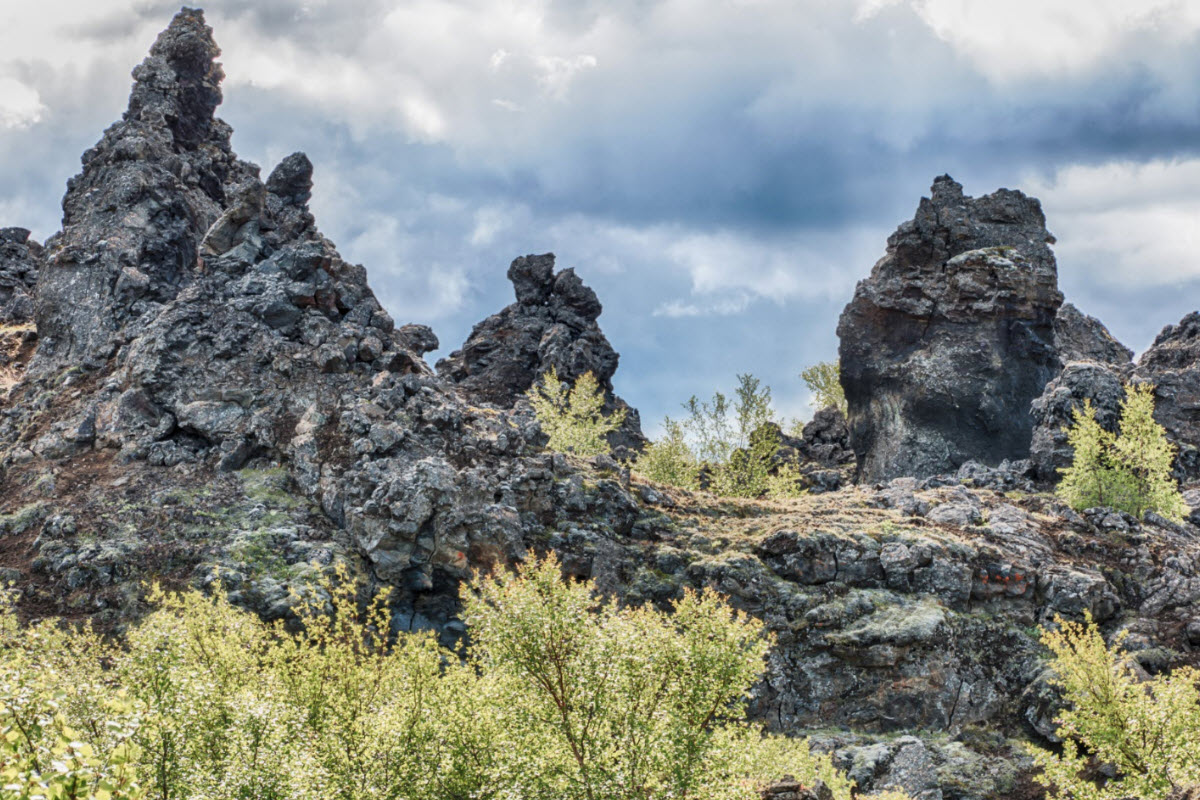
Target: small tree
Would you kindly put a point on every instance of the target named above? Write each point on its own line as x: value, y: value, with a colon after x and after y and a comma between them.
x: 1130, y: 470
x: 747, y: 473
x: 1145, y: 730
x: 1143, y: 451
x: 824, y: 381
x: 669, y: 460
x: 573, y: 417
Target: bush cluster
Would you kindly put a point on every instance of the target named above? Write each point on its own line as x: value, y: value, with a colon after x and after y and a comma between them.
x: 1145, y: 730
x: 727, y: 447
x: 1129, y: 470
x: 560, y: 696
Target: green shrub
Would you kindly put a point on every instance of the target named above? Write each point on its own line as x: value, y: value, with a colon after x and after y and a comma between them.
x: 670, y: 459
x: 747, y: 471
x: 824, y: 381
x: 737, y: 442
x: 1129, y: 470
x: 573, y: 417
x: 617, y: 702
x: 561, y: 695
x: 1146, y: 730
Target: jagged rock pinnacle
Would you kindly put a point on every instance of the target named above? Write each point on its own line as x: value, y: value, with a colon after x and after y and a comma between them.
x: 179, y: 83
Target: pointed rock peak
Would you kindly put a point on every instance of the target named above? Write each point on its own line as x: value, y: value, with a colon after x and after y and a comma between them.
x: 532, y: 278
x: 291, y: 181
x: 179, y: 83
x: 946, y: 190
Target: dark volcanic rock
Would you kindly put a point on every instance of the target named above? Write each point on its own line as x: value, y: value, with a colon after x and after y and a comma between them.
x: 132, y: 220
x: 1101, y: 384
x: 551, y: 326
x: 1079, y: 337
x: 952, y: 336
x: 18, y: 275
x: 1172, y: 364
x: 200, y: 336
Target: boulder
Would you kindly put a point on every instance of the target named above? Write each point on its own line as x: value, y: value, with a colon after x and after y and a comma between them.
x: 945, y: 345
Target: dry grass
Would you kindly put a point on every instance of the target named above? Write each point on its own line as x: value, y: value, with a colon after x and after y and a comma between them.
x: 8, y: 378
x: 14, y: 346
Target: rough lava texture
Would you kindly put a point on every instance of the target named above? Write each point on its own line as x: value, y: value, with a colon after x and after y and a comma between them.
x: 1079, y: 337
x: 552, y: 325
x: 19, y: 257
x: 1172, y: 364
x: 952, y: 336
x: 208, y: 357
x: 216, y: 386
x: 1101, y: 384
x: 821, y: 453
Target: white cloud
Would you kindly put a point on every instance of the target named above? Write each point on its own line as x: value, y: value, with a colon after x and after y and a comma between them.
x: 721, y: 307
x: 20, y: 104
x: 1123, y: 223
x: 557, y: 72
x: 1023, y: 38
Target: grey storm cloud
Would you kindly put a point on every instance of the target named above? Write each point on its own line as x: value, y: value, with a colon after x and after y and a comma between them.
x: 721, y: 172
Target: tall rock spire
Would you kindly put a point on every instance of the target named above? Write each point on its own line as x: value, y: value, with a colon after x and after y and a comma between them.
x: 179, y: 83
x: 149, y: 191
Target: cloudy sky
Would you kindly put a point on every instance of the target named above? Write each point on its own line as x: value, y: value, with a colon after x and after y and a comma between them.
x: 722, y: 172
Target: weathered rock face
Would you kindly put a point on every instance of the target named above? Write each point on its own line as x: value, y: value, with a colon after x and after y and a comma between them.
x: 1172, y: 364
x: 952, y: 336
x: 551, y: 326
x: 18, y: 274
x: 1079, y: 337
x: 1053, y: 413
x: 821, y: 453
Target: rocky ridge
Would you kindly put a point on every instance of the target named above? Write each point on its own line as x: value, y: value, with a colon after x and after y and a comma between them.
x: 215, y: 386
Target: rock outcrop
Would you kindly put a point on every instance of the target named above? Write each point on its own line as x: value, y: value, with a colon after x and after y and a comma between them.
x: 1079, y: 337
x: 952, y: 336
x: 821, y: 453
x: 1172, y: 364
x: 202, y: 344
x: 1053, y: 413
x: 19, y: 257
x: 552, y: 325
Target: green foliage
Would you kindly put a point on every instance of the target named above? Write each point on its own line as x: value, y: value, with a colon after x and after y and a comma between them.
x: 710, y: 429
x: 670, y: 460
x: 737, y: 441
x: 1130, y: 470
x: 1146, y: 730
x: 562, y: 696
x: 824, y: 381
x: 747, y: 472
x: 573, y: 417
x: 617, y: 702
